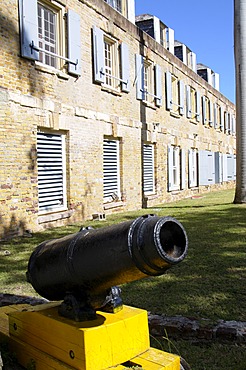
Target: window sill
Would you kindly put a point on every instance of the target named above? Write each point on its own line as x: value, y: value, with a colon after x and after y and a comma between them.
x: 113, y: 205
x: 111, y: 90
x: 193, y: 121
x: 150, y: 196
x: 149, y: 105
x: 54, y: 216
x: 174, y: 114
x: 51, y: 70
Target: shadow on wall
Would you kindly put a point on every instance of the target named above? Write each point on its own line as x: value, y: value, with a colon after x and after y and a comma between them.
x: 18, y: 71
x: 18, y: 76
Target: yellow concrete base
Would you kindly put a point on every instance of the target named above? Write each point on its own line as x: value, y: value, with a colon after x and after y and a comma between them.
x: 116, y: 341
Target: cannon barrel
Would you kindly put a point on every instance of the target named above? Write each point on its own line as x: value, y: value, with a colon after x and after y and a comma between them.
x: 93, y: 260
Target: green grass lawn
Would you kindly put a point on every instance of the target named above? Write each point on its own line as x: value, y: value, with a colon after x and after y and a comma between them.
x: 209, y: 283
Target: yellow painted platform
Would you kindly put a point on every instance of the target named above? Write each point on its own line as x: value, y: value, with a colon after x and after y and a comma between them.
x: 116, y: 341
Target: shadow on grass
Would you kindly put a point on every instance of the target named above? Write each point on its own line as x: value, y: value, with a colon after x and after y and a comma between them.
x: 211, y: 281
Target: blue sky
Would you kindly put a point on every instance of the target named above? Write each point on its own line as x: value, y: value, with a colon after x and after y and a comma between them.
x: 206, y: 27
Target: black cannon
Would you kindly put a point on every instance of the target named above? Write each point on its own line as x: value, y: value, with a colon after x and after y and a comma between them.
x: 84, y: 269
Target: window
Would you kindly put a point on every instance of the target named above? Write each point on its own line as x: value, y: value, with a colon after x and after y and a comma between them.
x: 43, y: 36
x: 51, y: 172
x: 116, y: 4
x: 207, y: 111
x: 206, y: 167
x: 111, y: 61
x: 111, y: 171
x: 47, y: 35
x: 193, y: 103
x: 148, y: 81
x: 192, y: 168
x: 148, y: 169
x: 176, y: 168
x: 174, y: 94
x: 217, y: 116
x: 226, y: 120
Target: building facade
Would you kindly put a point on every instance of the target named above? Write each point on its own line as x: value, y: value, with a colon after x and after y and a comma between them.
x: 98, y: 116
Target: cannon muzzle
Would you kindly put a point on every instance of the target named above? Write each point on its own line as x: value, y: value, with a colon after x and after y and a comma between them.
x: 87, y: 264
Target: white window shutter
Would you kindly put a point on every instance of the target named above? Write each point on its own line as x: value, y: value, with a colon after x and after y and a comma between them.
x: 215, y: 115
x: 125, y: 68
x: 111, y: 170
x: 190, y: 168
x: 222, y: 120
x: 170, y: 168
x: 235, y: 166
x: 226, y: 122
x: 218, y: 168
x: 98, y: 55
x: 168, y: 90
x: 51, y: 172
x: 210, y: 113
x: 224, y: 167
x: 206, y: 167
x: 188, y: 102
x: 204, y: 110
x: 181, y: 97
x: 139, y: 77
x: 158, y: 85
x: 183, y: 169
x: 74, y: 41
x: 28, y: 13
x: 198, y: 106
x: 230, y: 167
x: 148, y: 169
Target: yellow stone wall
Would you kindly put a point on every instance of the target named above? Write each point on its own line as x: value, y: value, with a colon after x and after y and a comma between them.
x: 33, y: 96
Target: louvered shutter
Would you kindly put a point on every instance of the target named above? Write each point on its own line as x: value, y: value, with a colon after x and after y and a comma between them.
x: 28, y: 15
x: 51, y: 172
x: 148, y: 168
x: 111, y: 178
x: 98, y: 55
x: 158, y: 85
x: 125, y: 67
x: 168, y: 90
x: 74, y: 41
x: 139, y: 77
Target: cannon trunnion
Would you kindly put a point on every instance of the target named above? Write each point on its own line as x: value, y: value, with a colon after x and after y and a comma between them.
x: 84, y: 269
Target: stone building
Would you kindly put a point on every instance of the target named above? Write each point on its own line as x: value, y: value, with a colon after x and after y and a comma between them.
x: 98, y: 116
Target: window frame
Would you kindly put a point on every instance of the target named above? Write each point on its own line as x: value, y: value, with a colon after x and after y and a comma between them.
x: 193, y: 103
x: 174, y: 94
x: 111, y: 170
x: 56, y: 162
x: 148, y: 169
x: 69, y: 42
x: 59, y: 31
x: 120, y: 62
